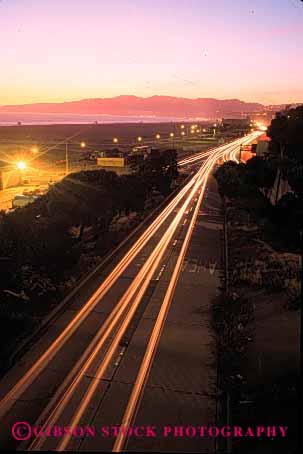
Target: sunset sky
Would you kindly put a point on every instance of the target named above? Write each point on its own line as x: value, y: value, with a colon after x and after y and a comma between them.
x: 57, y: 50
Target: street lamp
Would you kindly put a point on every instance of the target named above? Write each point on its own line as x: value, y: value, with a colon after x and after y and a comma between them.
x: 139, y: 139
x: 158, y: 136
x: 172, y: 135
x: 182, y: 133
x: 66, y: 159
x: 182, y: 126
x: 82, y: 144
x: 115, y: 140
x: 21, y: 165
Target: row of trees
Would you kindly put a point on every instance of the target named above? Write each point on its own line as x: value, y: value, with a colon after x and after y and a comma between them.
x: 286, y: 146
x: 285, y: 160
x: 44, y: 239
x: 236, y: 180
x: 93, y: 198
x: 40, y: 236
x: 286, y: 133
x: 158, y: 169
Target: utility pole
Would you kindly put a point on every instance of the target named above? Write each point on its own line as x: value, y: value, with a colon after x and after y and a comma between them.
x: 225, y: 239
x: 66, y: 159
x: 300, y: 391
x: 282, y: 147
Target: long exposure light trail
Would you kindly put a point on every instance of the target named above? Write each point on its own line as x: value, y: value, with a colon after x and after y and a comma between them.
x: 150, y: 266
x: 139, y: 285
x: 47, y: 356
x: 119, y: 318
x: 235, y: 145
x: 150, y: 352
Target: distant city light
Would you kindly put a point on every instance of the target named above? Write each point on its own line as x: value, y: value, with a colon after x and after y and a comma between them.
x: 261, y: 126
x: 182, y: 133
x: 21, y: 165
x: 35, y: 150
x: 171, y: 134
x: 158, y: 136
x: 139, y: 139
x: 182, y: 126
x: 82, y: 144
x: 115, y: 140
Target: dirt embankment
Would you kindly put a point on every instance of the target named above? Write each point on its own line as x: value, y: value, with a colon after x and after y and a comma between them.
x: 258, y: 326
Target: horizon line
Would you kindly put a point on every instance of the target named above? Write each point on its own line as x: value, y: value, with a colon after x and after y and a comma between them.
x: 145, y: 98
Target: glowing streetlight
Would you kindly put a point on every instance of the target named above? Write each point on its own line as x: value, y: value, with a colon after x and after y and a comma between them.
x: 182, y: 133
x: 204, y: 130
x: 182, y: 126
x: 171, y: 134
x: 192, y: 131
x: 158, y: 136
x: 35, y: 150
x: 82, y: 144
x: 21, y: 165
x: 115, y: 140
x: 139, y: 139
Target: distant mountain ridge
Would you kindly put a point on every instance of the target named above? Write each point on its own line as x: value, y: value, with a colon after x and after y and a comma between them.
x: 134, y: 105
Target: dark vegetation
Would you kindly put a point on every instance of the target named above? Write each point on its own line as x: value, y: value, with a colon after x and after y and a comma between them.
x: 257, y: 318
x: 48, y: 245
x: 284, y: 162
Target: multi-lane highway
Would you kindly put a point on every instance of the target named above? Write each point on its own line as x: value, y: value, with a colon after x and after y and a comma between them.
x: 133, y: 347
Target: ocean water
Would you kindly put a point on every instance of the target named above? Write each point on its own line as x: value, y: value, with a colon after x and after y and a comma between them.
x: 14, y: 118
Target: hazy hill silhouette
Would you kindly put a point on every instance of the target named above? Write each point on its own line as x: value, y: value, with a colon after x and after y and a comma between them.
x: 134, y: 105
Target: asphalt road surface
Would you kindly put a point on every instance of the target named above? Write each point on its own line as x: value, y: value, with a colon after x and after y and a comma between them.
x: 135, y: 347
